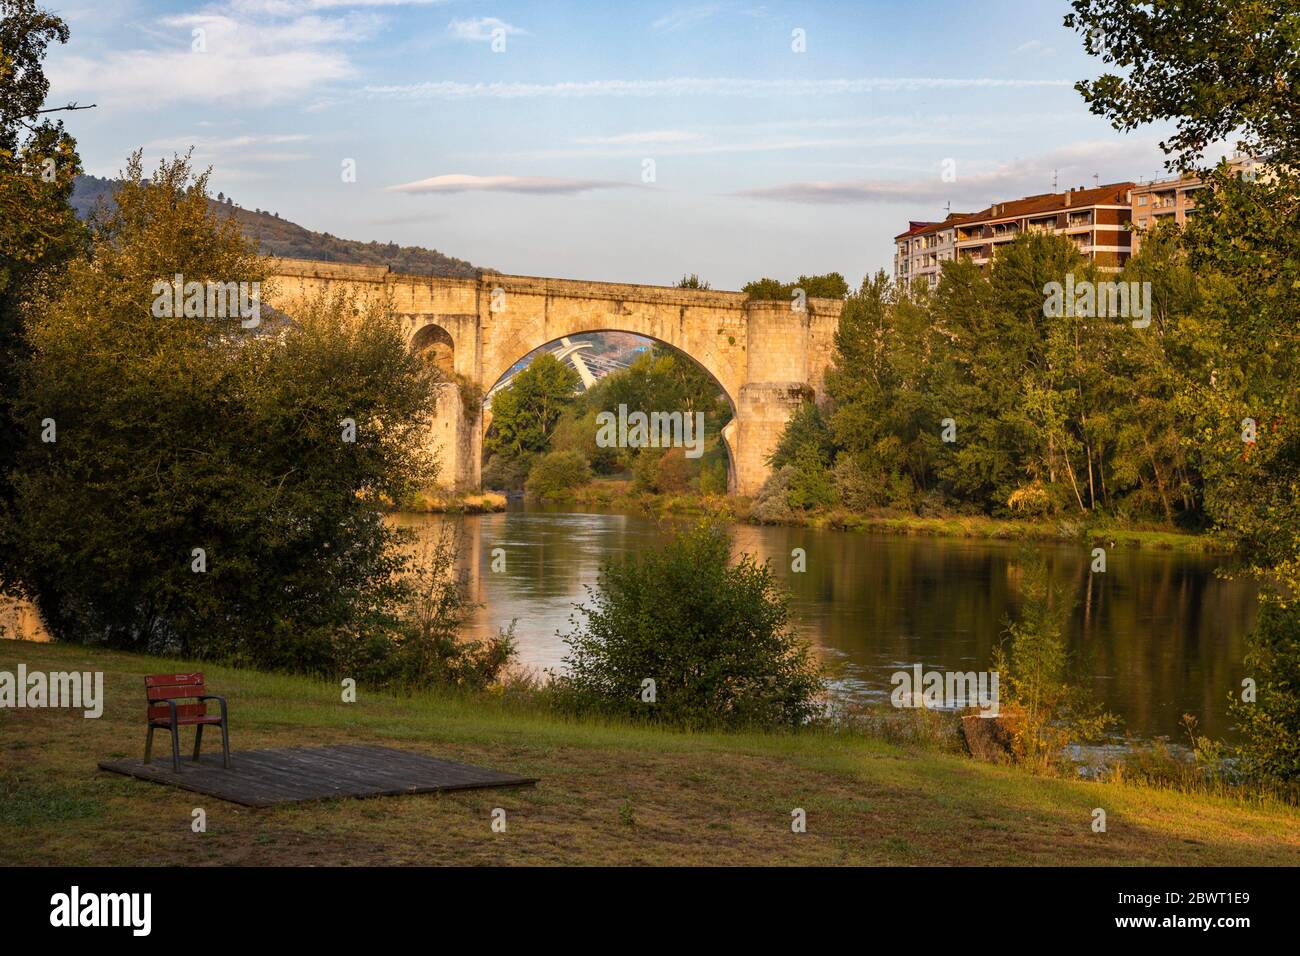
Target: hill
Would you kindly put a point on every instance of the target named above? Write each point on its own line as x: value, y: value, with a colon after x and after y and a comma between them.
x: 280, y: 237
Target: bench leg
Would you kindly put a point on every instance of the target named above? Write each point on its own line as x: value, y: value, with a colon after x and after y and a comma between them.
x: 225, y: 744
x: 148, y: 745
x: 198, y: 741
x: 176, y: 749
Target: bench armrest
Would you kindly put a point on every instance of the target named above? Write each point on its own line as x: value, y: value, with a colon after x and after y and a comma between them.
x: 219, y: 699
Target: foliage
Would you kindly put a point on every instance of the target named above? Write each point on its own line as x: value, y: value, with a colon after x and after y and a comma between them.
x: 1214, y: 67
x: 805, y: 447
x: 555, y: 473
x: 692, y: 281
x: 38, y: 231
x: 772, y: 503
x: 713, y: 476
x: 427, y: 648
x: 506, y: 471
x: 969, y: 398
x: 1270, y: 725
x: 176, y: 434
x: 714, y: 636
x: 525, y: 413
x: 1047, y: 711
x: 828, y: 286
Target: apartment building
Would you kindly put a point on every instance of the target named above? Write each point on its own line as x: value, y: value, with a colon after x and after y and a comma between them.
x: 1174, y: 199
x: 1095, y: 220
x: 919, y: 251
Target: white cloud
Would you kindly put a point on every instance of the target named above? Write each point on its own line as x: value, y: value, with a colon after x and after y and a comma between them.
x: 240, y: 62
x: 684, y: 17
x: 1034, y: 47
x: 481, y: 30
x: 696, y: 86
x: 633, y: 139
x: 544, y: 185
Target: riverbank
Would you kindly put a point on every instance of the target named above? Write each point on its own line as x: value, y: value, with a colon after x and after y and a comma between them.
x: 616, y: 495
x: 609, y: 793
x: 437, y: 501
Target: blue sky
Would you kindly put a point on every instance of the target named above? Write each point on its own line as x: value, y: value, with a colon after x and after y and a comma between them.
x: 533, y: 159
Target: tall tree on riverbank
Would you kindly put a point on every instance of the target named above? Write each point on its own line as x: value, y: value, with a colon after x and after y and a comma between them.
x: 211, y: 483
x: 38, y: 229
x: 1230, y: 69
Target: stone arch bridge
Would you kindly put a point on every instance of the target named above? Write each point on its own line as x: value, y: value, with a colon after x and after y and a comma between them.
x: 766, y: 356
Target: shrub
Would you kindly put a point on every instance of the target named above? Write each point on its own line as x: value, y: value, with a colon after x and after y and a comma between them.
x: 555, y: 473
x: 507, y: 471
x: 672, y: 471
x: 771, y: 504
x: 1046, y: 710
x: 714, y: 637
x: 811, y: 483
x: 713, y: 477
x: 1271, y: 724
x: 860, y: 488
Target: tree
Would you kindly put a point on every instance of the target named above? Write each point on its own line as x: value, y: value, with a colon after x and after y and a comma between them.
x: 713, y: 636
x: 828, y: 286
x: 555, y: 473
x: 526, y: 412
x: 214, y: 490
x: 1214, y: 67
x: 692, y: 281
x: 39, y: 231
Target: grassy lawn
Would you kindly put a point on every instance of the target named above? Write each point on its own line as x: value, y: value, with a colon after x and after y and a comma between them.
x: 609, y: 794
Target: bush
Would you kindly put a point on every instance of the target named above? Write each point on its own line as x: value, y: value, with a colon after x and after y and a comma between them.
x: 858, y: 487
x: 713, y: 636
x: 555, y: 473
x: 713, y: 477
x: 429, y: 651
x: 771, y: 504
x: 811, y: 483
x: 507, y: 471
x: 1047, y: 711
x: 1271, y: 724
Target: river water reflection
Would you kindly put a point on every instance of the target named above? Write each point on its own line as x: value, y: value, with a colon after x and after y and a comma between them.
x: 1161, y: 635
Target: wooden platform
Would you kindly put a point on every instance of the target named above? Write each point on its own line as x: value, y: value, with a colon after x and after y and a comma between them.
x: 263, y: 778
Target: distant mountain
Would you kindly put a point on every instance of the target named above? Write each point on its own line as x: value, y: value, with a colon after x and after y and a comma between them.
x: 280, y: 237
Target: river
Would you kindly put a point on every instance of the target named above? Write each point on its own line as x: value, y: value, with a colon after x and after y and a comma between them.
x: 1158, y: 634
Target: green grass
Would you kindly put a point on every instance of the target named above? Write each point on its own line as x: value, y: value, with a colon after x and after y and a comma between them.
x: 609, y: 793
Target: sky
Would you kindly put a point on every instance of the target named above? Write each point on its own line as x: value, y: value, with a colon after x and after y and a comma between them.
x: 624, y: 142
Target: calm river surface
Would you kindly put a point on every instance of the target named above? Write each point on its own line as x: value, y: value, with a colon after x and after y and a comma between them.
x: 1161, y: 635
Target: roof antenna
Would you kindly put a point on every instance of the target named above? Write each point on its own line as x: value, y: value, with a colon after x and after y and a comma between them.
x: 1096, y: 180
x: 948, y: 208
x: 1054, y: 177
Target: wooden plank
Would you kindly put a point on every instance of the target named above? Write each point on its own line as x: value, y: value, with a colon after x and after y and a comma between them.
x: 260, y: 778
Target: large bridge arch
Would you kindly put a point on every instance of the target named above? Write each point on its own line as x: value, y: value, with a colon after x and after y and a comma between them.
x: 766, y: 356
x: 728, y: 430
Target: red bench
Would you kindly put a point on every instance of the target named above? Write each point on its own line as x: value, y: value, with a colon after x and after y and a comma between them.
x: 164, y: 690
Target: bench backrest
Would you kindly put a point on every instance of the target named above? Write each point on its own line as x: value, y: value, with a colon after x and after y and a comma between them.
x: 164, y: 687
